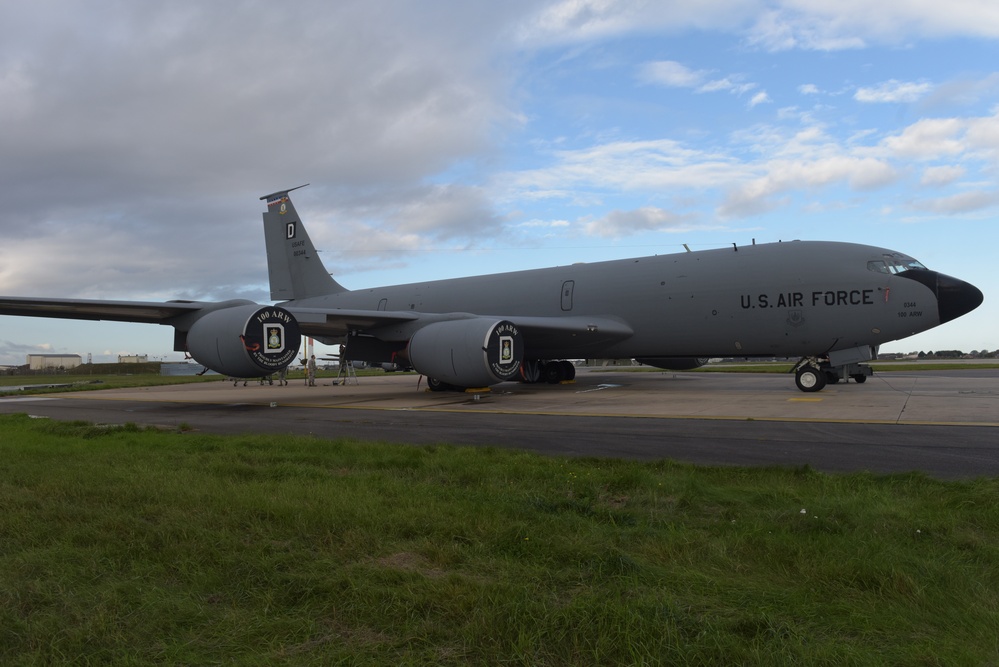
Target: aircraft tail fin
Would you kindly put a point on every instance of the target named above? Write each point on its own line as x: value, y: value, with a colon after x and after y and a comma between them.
x: 293, y: 264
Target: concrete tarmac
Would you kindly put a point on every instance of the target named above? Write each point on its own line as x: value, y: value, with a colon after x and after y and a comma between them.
x: 944, y: 423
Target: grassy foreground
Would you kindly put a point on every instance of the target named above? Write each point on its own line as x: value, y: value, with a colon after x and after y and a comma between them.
x: 122, y: 546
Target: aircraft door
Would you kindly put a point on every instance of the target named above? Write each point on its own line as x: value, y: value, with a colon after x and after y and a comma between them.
x: 567, y: 287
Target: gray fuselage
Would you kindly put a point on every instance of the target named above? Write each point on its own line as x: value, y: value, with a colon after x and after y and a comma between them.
x: 785, y: 299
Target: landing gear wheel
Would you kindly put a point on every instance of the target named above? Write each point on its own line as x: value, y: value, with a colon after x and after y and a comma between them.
x: 831, y: 377
x: 433, y: 384
x: 810, y: 379
x: 859, y: 379
x: 568, y: 370
x: 553, y: 372
x: 530, y: 371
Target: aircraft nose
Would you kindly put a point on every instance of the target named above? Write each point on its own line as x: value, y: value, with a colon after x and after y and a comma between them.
x: 956, y: 297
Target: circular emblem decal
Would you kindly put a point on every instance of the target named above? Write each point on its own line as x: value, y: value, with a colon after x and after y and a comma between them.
x: 505, y: 350
x: 272, y: 338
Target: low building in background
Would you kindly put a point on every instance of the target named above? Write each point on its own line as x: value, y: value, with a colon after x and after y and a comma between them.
x: 43, y: 362
x: 133, y: 358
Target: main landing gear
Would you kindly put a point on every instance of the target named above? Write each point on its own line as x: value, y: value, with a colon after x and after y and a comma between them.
x: 552, y: 372
x: 531, y: 371
x: 813, y: 374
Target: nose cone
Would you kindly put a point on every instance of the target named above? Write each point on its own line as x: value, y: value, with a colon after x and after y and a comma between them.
x: 956, y: 297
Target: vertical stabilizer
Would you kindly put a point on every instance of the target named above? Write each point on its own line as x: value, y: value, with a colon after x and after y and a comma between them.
x: 293, y: 265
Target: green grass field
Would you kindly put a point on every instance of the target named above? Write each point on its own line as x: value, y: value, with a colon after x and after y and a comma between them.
x: 89, y: 377
x: 123, y: 546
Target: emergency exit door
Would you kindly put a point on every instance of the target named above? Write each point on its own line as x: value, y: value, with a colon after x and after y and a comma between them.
x: 567, y: 294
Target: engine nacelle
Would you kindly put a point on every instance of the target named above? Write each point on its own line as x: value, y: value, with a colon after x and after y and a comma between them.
x: 475, y: 352
x: 674, y: 363
x: 245, y: 341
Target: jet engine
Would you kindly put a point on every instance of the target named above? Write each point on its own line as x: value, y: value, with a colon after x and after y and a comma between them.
x: 674, y: 363
x: 476, y: 352
x: 245, y: 341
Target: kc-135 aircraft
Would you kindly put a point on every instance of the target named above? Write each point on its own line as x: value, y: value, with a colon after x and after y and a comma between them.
x: 831, y: 304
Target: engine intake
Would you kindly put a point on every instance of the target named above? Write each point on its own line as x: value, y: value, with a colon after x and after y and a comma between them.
x: 476, y: 352
x: 245, y: 341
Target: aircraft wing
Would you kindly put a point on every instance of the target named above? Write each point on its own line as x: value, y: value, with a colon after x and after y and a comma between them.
x: 560, y: 333
x: 570, y: 334
x: 544, y: 332
x: 336, y: 322
x: 151, y: 312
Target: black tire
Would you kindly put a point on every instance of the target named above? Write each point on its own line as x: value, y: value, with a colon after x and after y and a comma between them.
x: 859, y: 379
x: 810, y: 379
x: 568, y: 370
x: 530, y: 371
x: 433, y: 384
x: 552, y: 372
x: 832, y: 377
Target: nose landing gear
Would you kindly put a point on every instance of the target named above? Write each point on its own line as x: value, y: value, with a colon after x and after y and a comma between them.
x: 809, y: 379
x: 812, y: 374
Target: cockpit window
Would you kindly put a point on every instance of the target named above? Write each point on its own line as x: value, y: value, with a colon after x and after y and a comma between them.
x: 894, y: 264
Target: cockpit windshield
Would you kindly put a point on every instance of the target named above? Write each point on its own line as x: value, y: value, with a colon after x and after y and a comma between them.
x: 894, y: 264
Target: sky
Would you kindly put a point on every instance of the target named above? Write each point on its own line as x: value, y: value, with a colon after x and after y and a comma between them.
x: 444, y: 139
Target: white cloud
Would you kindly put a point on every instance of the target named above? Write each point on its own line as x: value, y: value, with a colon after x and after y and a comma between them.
x: 544, y: 224
x: 625, y: 165
x: 961, y: 203
x: 893, y: 91
x: 759, y: 98
x: 784, y: 177
x: 626, y: 223
x: 943, y: 175
x: 820, y: 25
x: 983, y: 134
x: 587, y: 20
x: 676, y: 75
x: 447, y: 212
x: 774, y: 25
x: 929, y: 139
x: 670, y: 73
x: 726, y: 84
x: 765, y: 167
x: 786, y: 29
x: 963, y: 91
